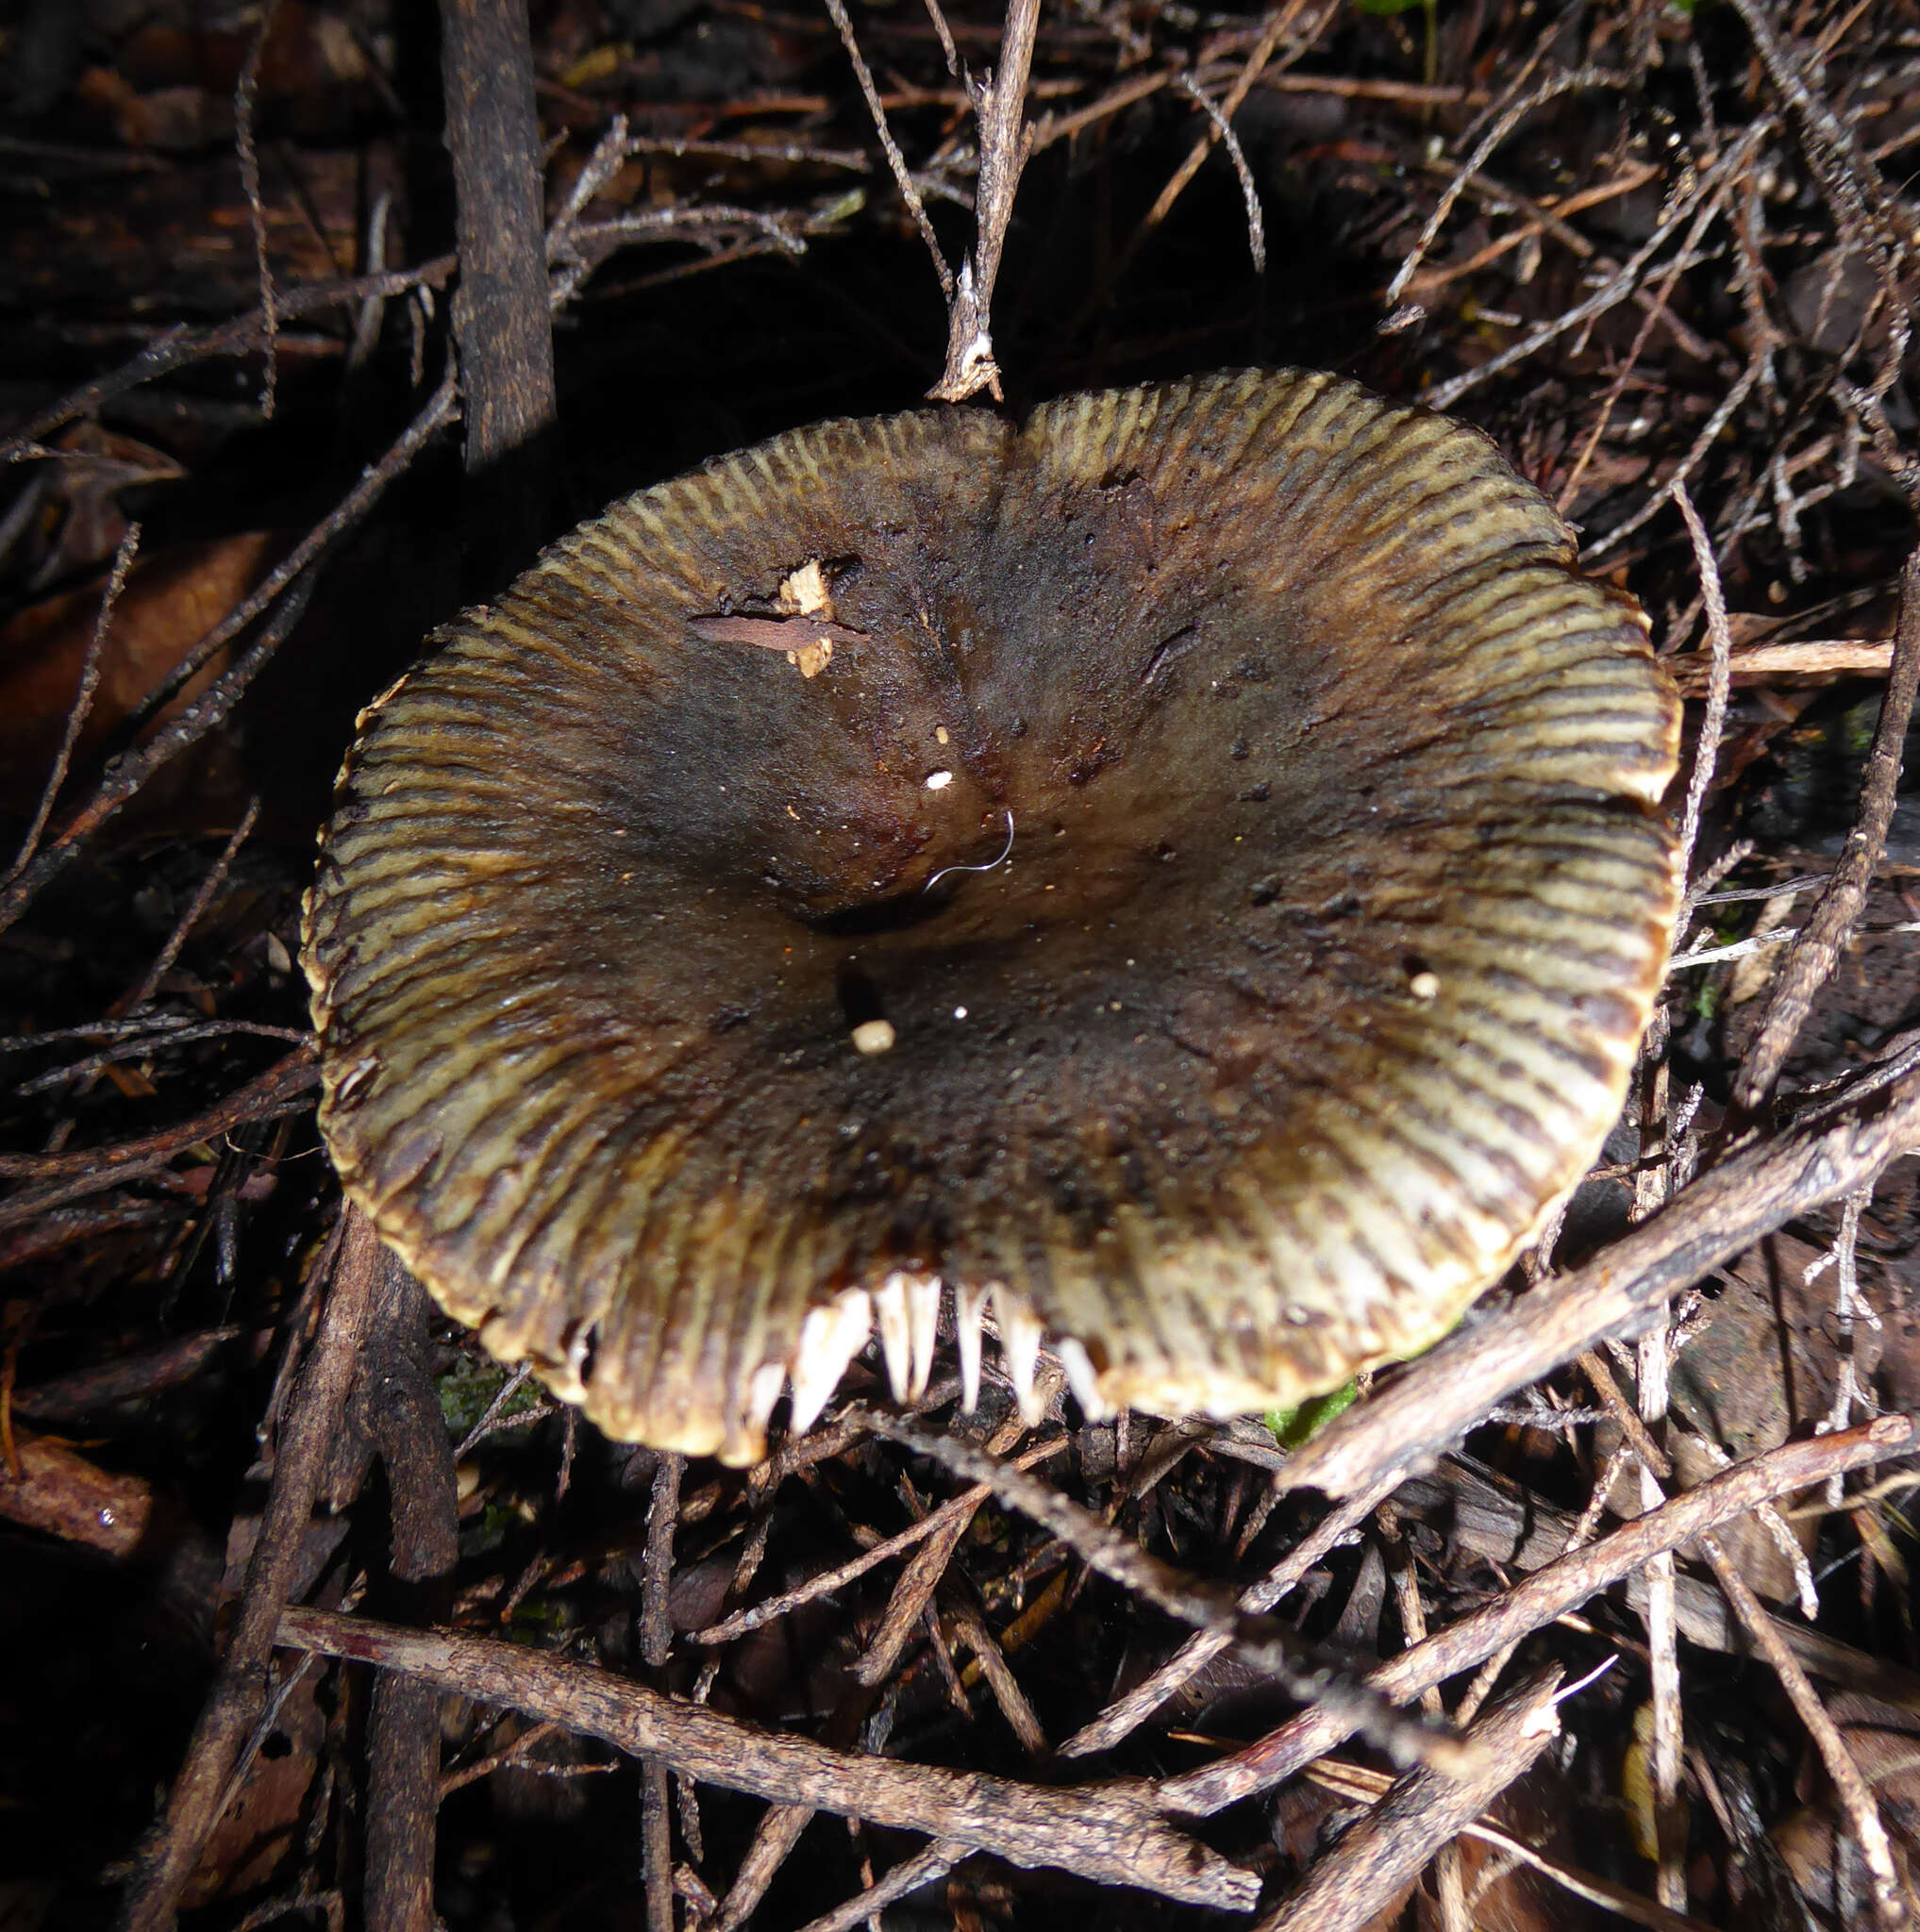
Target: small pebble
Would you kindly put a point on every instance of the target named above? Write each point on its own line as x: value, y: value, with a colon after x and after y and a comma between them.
x: 873, y: 1036
x: 939, y: 781
x: 1425, y: 986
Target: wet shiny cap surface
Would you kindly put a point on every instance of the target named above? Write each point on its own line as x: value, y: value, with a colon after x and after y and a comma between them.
x: 1180, y: 875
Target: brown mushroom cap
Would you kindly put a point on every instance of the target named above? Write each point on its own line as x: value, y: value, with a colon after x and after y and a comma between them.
x: 1335, y: 904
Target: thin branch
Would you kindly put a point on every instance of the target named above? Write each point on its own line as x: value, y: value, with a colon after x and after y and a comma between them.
x: 83, y: 700
x: 1817, y: 952
x: 1129, y: 1712
x: 245, y: 91
x: 289, y: 1077
x: 1855, y: 1798
x: 903, y: 175
x: 176, y: 347
x: 909, y: 1875
x: 166, y: 1862
x: 1006, y: 141
x: 1223, y: 128
x: 1839, y: 1148
x: 126, y: 775
x: 1297, y: 1667
x: 1357, y: 1881
x: 1107, y: 1832
x: 1713, y: 721
x: 135, y: 997
x: 1550, y: 1591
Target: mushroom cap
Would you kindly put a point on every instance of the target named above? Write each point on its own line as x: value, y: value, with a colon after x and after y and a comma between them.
x: 1335, y: 901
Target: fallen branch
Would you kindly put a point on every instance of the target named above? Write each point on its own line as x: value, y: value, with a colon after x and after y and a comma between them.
x: 1298, y: 1667
x: 1108, y: 1832
x: 282, y: 1081
x: 166, y: 1861
x: 1549, y: 1592
x: 1621, y: 1291
x: 1377, y: 1859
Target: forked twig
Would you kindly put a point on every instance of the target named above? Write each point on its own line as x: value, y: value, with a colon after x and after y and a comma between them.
x: 1006, y: 141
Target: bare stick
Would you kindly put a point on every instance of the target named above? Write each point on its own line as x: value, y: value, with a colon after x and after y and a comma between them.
x: 1620, y: 1291
x: 1809, y: 658
x: 903, y: 175
x: 502, y: 317
x: 1297, y: 1666
x: 971, y: 1628
x: 1107, y: 1832
x: 179, y: 346
x: 914, y: 1592
x: 1619, y: 287
x: 1818, y: 949
x: 909, y: 1875
x: 1375, y: 1860
x: 1857, y: 1800
x: 1356, y: 1781
x: 1223, y: 128
x: 126, y: 775
x: 1000, y: 106
x: 1713, y: 721
x: 1552, y: 1591
x: 83, y: 700
x: 1264, y: 48
x: 166, y: 1861
x: 403, y: 1727
x: 1200, y: 1649
x: 656, y: 1640
x: 243, y: 92
x: 293, y: 1075
x: 1579, y: 80
x: 960, y: 1508
x: 137, y: 996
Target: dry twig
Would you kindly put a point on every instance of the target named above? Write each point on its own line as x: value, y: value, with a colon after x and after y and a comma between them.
x: 1548, y: 1592
x: 166, y: 1861
x: 1376, y: 1859
x: 1107, y: 1832
x: 1818, y: 949
x: 1838, y: 1148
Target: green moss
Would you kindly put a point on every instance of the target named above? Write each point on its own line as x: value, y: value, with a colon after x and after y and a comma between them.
x: 1305, y: 1419
x: 467, y: 1389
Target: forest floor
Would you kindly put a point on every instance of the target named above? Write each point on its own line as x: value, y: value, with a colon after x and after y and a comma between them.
x: 1656, y: 253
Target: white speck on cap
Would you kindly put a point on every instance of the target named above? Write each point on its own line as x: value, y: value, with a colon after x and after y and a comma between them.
x: 1425, y: 986
x: 873, y: 1036
x: 939, y: 781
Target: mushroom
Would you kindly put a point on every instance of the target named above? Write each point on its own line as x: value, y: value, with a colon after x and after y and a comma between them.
x: 1202, y: 910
